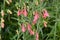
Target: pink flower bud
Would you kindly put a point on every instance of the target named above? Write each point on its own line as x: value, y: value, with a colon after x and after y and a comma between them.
x: 2, y: 25
x: 23, y: 28
x: 36, y: 16
x: 19, y: 12
x: 45, y: 14
x: 29, y: 27
x: 25, y: 12
x: 37, y: 36
x: 31, y: 32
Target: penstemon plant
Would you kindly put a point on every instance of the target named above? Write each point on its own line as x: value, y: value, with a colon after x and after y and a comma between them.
x: 30, y: 20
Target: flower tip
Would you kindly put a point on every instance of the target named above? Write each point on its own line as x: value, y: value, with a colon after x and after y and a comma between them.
x: 19, y: 12
x: 25, y: 12
x: 23, y: 28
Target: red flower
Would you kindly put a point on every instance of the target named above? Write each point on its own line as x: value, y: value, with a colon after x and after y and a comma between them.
x: 29, y: 27
x: 37, y: 36
x: 23, y: 28
x: 36, y: 16
x: 45, y: 13
x: 25, y: 12
x: 19, y: 12
x: 31, y: 32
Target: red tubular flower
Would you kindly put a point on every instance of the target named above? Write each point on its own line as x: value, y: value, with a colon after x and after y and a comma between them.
x: 45, y: 14
x: 29, y: 27
x: 37, y: 36
x: 36, y: 16
x: 31, y: 32
x: 19, y: 12
x: 23, y: 28
x: 25, y: 12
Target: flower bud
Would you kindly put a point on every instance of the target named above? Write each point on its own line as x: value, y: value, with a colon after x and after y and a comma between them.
x: 36, y: 2
x: 9, y: 11
x: 17, y: 31
x: 25, y: 12
x: 45, y: 24
x: 45, y: 13
x: 36, y: 17
x: 2, y: 20
x: 7, y: 2
x: 2, y: 13
x: 37, y: 36
x: 19, y: 12
x: 23, y: 28
x: 10, y: 1
x: 31, y: 32
x: 2, y: 25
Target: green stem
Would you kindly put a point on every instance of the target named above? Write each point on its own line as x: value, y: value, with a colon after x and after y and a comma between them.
x: 56, y: 22
x: 18, y: 33
x: 4, y: 5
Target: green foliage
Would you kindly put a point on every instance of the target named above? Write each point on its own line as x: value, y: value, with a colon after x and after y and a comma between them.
x: 12, y: 28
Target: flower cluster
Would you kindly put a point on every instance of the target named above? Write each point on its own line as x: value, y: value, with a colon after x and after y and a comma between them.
x: 45, y: 15
x: 36, y: 17
x: 24, y: 12
x: 2, y: 20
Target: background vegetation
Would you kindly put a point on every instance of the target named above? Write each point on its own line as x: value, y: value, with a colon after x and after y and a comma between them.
x: 12, y: 22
